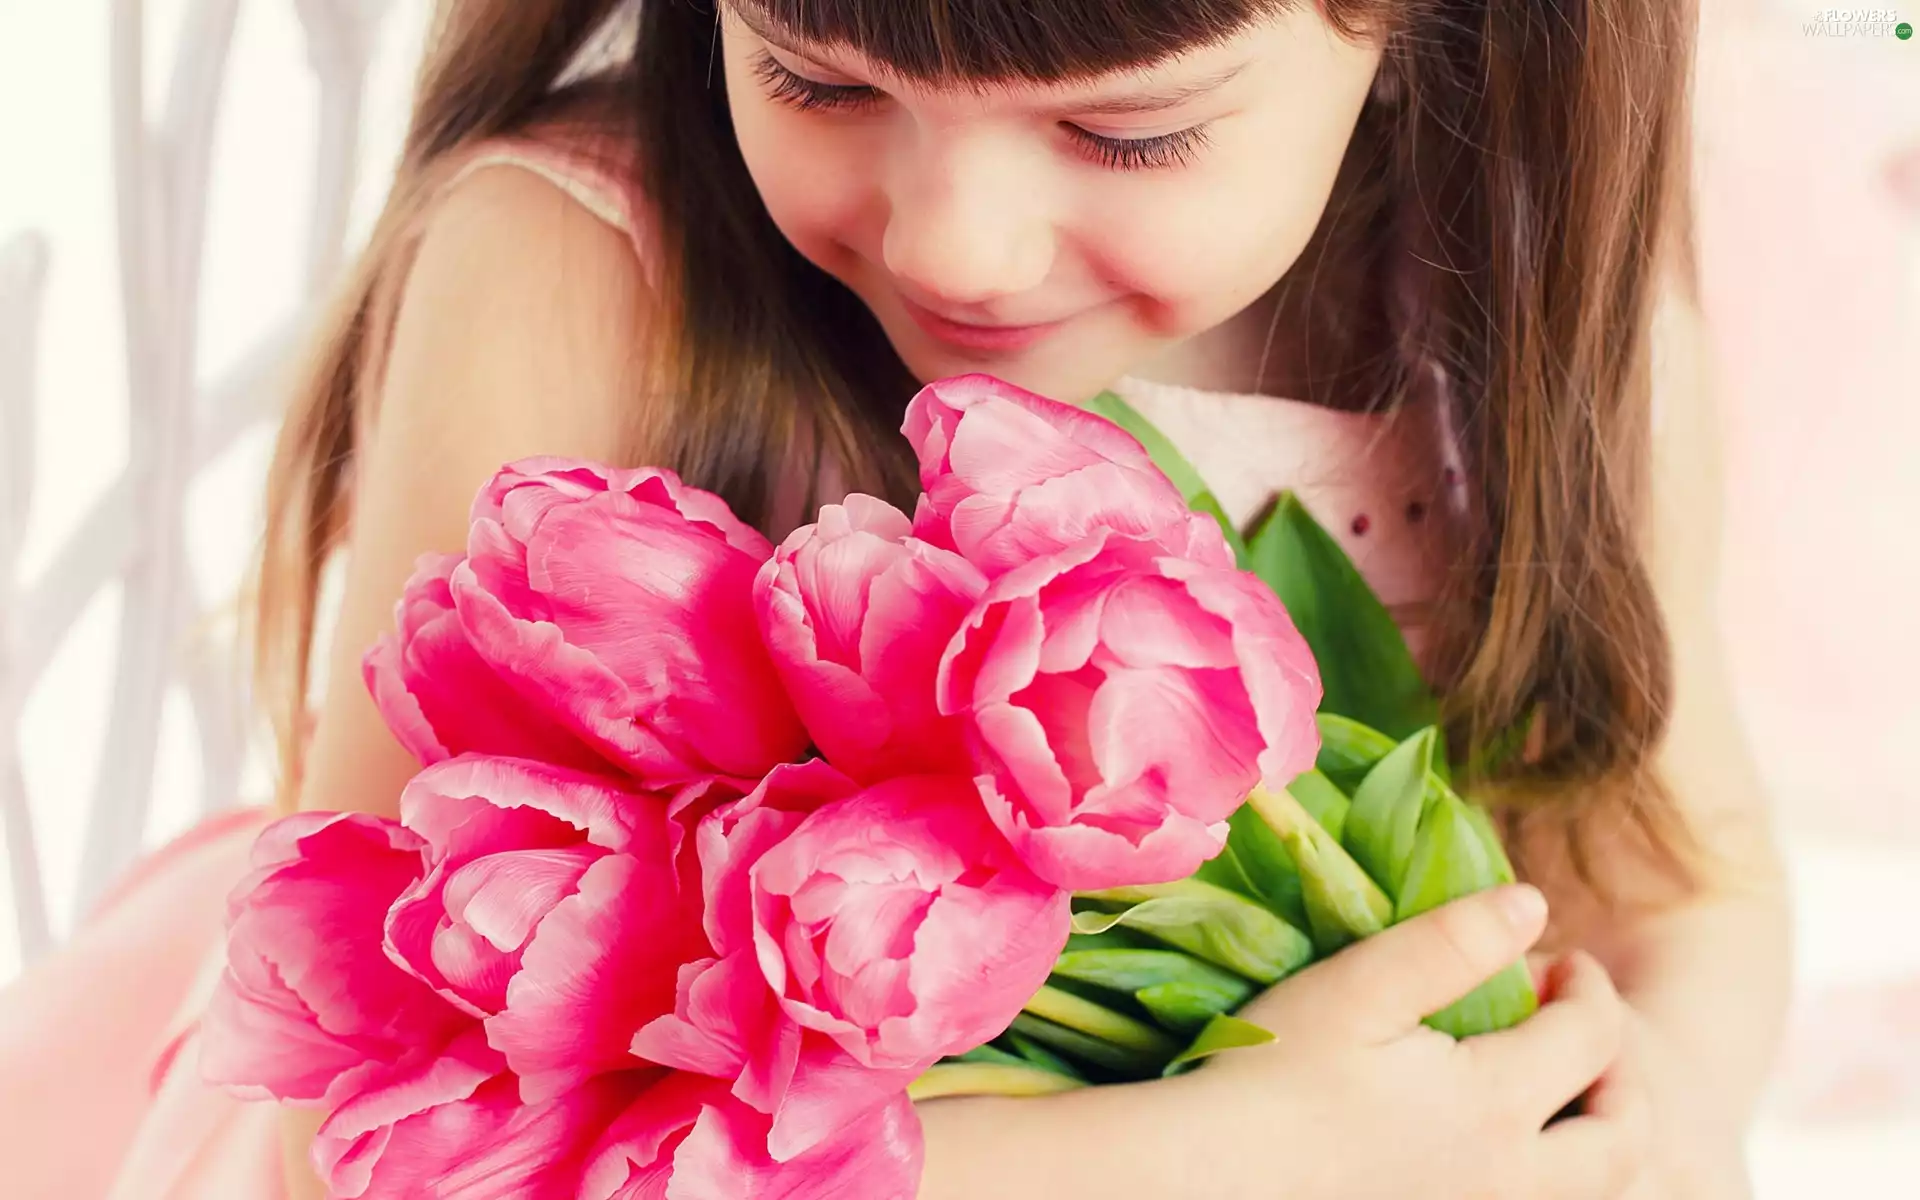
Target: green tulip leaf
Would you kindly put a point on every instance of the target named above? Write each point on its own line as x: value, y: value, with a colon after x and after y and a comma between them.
x: 1452, y: 856
x: 1323, y: 800
x: 1211, y: 923
x: 1112, y: 939
x: 1226, y: 870
x: 1039, y: 1056
x: 1342, y: 901
x: 1500, y: 1003
x: 1263, y: 861
x: 1387, y: 809
x: 1178, y: 990
x: 1222, y: 1033
x: 1186, y: 1007
x: 1366, y: 670
x: 1348, y: 749
x: 1490, y: 836
x: 1457, y: 854
x: 1131, y: 970
x: 989, y: 1053
x: 1173, y: 464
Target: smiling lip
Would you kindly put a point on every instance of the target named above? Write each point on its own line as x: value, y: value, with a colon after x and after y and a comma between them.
x: 994, y: 338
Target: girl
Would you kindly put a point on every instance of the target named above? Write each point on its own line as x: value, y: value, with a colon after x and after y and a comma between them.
x: 1408, y: 259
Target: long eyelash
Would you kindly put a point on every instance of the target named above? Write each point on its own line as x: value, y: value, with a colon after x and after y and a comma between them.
x: 1144, y: 154
x: 1169, y: 150
x: 805, y: 94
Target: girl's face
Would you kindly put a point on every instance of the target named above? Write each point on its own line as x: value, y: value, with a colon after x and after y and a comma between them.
x: 1057, y: 236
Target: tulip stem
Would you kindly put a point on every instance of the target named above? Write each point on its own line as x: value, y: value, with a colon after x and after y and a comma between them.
x: 1075, y: 1012
x: 1085, y: 1048
x: 1283, y: 814
x: 988, y: 1079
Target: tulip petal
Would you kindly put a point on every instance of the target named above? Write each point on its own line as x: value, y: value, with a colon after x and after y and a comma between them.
x: 594, y: 974
x: 439, y: 696
x: 857, y: 614
x: 446, y: 1133
x: 1010, y: 476
x: 308, y: 1004
x: 830, y: 1091
x: 841, y: 909
x: 621, y: 603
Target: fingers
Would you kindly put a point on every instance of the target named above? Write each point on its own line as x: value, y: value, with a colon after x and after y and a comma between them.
x: 1539, y: 966
x: 1606, y: 1151
x: 1591, y: 1158
x: 1621, y: 1095
x: 1379, y: 989
x: 1559, y: 1052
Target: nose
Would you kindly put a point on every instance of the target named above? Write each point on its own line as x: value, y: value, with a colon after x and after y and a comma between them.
x: 967, y: 225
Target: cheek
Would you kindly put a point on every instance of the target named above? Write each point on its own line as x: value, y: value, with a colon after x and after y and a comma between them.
x: 808, y: 172
x: 1193, y: 256
x: 1200, y: 248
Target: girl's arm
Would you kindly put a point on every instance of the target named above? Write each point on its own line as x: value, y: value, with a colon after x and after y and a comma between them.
x: 1708, y: 979
x: 514, y: 337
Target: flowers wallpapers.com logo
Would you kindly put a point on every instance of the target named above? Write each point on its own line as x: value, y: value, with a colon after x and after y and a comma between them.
x: 1858, y: 22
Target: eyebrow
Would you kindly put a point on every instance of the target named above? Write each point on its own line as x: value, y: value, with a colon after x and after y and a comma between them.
x: 1155, y: 100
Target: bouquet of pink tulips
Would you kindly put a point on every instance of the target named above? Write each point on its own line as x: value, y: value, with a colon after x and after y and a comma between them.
x: 723, y: 853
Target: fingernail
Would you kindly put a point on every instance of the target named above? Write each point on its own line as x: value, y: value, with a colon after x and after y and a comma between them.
x: 1524, y: 905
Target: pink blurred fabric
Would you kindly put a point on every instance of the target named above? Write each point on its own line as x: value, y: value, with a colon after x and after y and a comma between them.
x: 99, y: 1060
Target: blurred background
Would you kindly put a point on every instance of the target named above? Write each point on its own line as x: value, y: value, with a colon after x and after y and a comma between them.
x: 179, y: 180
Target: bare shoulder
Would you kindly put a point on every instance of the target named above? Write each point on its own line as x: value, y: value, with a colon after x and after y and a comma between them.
x: 523, y: 309
x: 516, y: 333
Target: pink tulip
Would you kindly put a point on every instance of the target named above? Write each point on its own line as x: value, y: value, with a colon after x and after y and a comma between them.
x: 622, y: 601
x: 727, y: 1021
x: 441, y: 698
x: 686, y: 1138
x: 1010, y: 476
x: 733, y: 837
x: 552, y: 909
x: 455, y: 1128
x: 1123, y: 703
x: 899, y: 923
x: 309, y: 1008
x: 856, y: 612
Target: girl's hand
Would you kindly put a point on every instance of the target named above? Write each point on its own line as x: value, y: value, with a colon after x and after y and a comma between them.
x: 1356, y: 1098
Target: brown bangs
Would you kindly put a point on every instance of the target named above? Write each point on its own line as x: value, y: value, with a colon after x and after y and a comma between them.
x: 1028, y: 41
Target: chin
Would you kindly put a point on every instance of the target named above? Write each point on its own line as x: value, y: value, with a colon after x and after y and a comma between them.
x: 1054, y: 384
x: 1064, y: 374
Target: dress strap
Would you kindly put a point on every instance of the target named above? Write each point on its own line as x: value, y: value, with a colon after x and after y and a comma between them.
x: 596, y: 175
x: 590, y: 182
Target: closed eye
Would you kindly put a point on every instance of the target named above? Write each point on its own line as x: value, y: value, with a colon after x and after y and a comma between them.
x: 1177, y: 149
x: 1162, y: 151
x: 809, y: 95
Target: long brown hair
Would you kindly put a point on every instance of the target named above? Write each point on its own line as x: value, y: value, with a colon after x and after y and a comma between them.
x: 1509, y: 193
